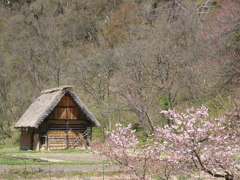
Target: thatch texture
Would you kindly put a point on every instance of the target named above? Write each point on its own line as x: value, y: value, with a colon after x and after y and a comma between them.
x: 44, y: 105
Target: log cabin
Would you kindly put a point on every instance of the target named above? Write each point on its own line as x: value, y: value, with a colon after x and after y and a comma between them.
x: 57, y: 119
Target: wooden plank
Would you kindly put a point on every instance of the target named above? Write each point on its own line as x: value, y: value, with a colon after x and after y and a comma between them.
x: 66, y: 101
x: 66, y: 113
x: 71, y: 121
x: 70, y: 125
x: 67, y: 134
x: 64, y: 124
x: 62, y: 101
x: 71, y: 107
x: 70, y: 101
x: 25, y: 141
x: 61, y: 138
x: 64, y: 129
x: 66, y: 109
x: 91, y: 133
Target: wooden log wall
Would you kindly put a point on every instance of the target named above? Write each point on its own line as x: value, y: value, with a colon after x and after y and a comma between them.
x: 64, y: 124
x: 60, y: 138
x: 26, y: 140
x: 66, y: 109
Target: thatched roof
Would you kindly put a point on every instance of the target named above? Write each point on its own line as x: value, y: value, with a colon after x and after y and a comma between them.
x: 44, y: 105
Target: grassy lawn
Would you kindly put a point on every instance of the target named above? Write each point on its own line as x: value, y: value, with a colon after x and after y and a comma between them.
x: 10, y: 159
x: 13, y: 174
x: 19, y: 165
x: 12, y: 146
x: 15, y: 149
x: 10, y: 155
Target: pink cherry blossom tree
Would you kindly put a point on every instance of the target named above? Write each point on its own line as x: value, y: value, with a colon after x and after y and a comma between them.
x: 122, y: 146
x: 210, y: 145
x: 194, y: 141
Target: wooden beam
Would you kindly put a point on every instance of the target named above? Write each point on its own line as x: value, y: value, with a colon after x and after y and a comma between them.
x: 47, y: 146
x: 91, y: 133
x: 67, y: 135
x: 66, y: 107
x: 64, y: 119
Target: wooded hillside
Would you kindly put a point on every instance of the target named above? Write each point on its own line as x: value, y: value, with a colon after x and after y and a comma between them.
x: 127, y: 59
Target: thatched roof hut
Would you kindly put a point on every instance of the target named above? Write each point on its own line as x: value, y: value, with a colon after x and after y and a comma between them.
x: 56, y: 109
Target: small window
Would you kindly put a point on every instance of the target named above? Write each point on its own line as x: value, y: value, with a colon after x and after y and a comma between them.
x: 24, y: 130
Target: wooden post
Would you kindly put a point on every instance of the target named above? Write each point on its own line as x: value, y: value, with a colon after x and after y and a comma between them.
x: 91, y: 133
x: 47, y: 137
x: 67, y: 134
x: 32, y: 134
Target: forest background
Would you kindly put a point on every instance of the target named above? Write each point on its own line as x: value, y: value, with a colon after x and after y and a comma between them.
x: 127, y: 59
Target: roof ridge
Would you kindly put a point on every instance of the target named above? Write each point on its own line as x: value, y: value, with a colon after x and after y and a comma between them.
x: 60, y: 88
x: 38, y: 111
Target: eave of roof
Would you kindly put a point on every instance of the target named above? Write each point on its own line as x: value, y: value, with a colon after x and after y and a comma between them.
x: 44, y: 105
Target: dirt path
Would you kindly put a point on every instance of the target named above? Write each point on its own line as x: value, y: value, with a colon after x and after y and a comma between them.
x: 76, y: 157
x: 69, y: 172
x: 59, y: 168
x: 59, y: 171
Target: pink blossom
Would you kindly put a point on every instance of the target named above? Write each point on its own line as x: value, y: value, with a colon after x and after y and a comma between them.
x: 194, y: 141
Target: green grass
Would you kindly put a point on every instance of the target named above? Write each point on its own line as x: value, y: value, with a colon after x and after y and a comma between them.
x: 31, y: 162
x: 83, y: 162
x: 12, y: 159
x: 15, y: 173
x: 3, y: 146
x: 98, y: 173
x: 16, y: 151
x: 66, y: 151
x: 17, y: 157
